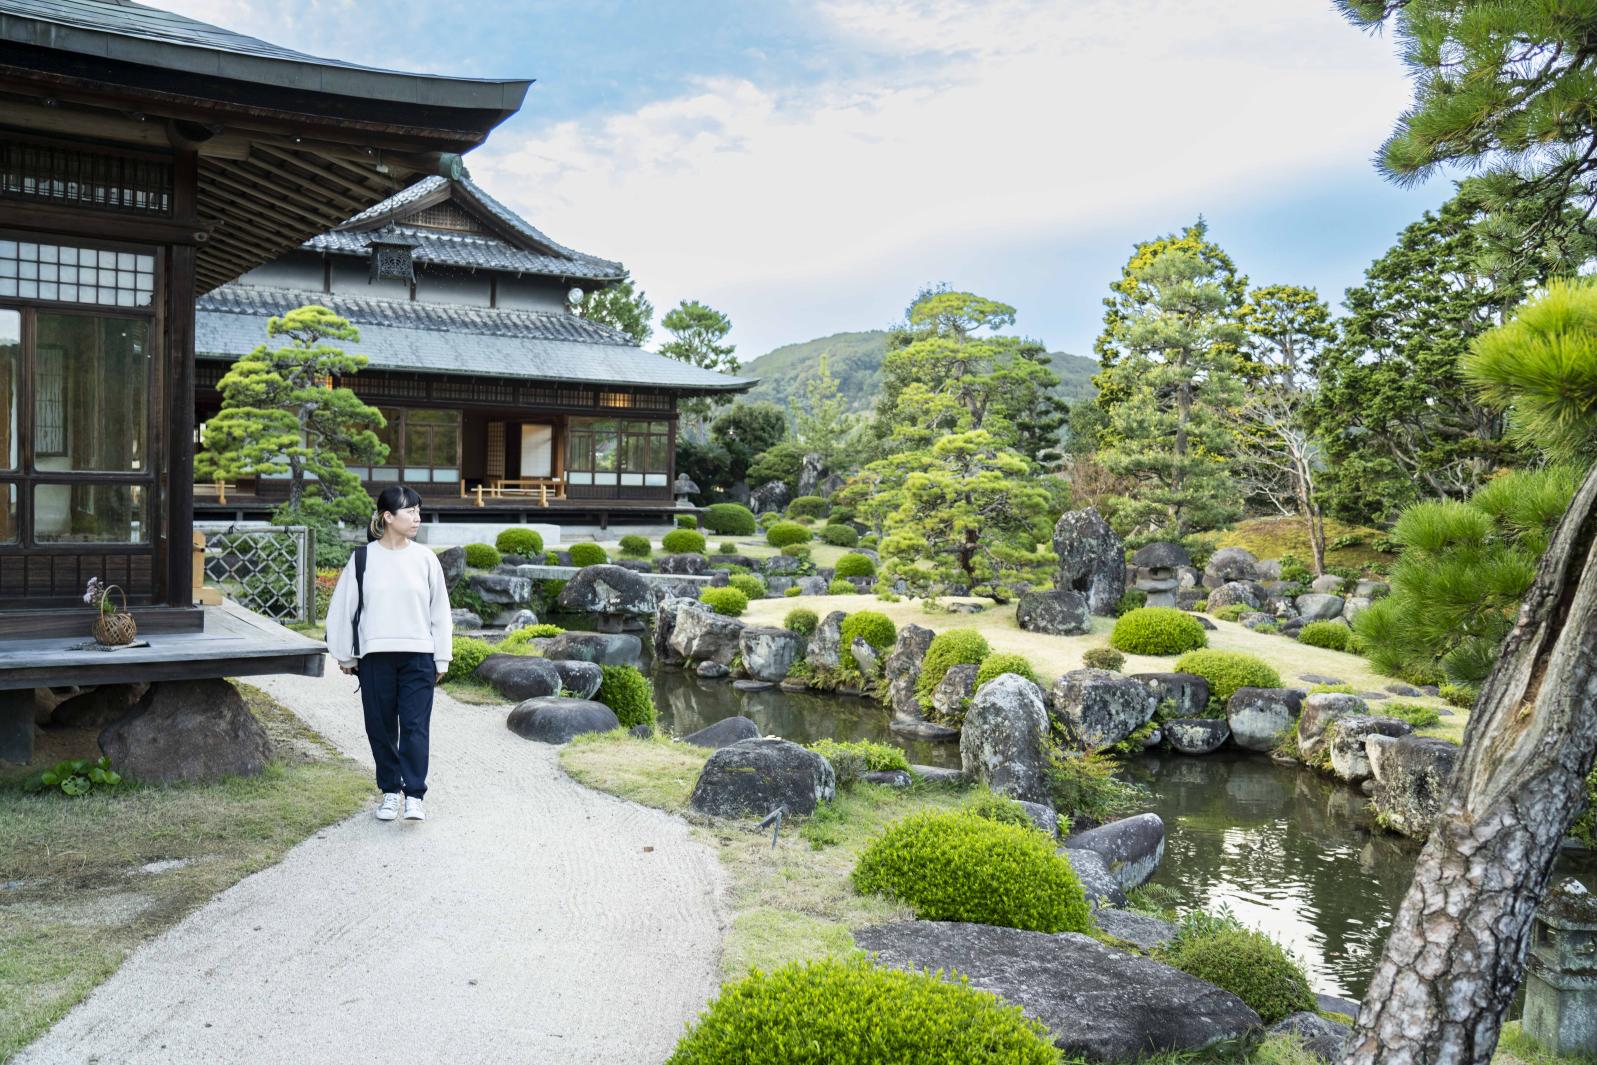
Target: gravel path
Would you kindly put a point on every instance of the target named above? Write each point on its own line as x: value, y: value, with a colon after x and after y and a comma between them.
x: 527, y: 920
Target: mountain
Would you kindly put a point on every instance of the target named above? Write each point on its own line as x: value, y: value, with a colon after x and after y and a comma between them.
x: 856, y: 362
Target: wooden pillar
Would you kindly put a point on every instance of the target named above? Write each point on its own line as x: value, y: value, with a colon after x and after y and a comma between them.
x: 178, y: 392
x: 16, y: 725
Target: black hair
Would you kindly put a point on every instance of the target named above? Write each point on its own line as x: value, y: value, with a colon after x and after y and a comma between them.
x: 390, y: 500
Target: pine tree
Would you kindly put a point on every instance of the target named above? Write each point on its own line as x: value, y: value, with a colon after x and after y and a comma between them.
x: 823, y: 425
x: 622, y: 306
x: 698, y: 337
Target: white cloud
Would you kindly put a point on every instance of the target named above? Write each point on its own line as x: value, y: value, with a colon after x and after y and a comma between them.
x: 999, y: 121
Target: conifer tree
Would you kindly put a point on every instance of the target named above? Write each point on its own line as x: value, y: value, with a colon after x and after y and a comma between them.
x: 624, y: 307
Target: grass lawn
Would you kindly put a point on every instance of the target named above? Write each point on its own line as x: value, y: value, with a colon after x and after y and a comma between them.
x: 85, y: 881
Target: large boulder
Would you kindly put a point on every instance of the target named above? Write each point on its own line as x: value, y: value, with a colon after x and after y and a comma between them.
x: 752, y: 777
x: 772, y: 495
x: 768, y: 652
x: 605, y: 648
x: 1327, y: 584
x: 1230, y: 564
x: 699, y: 634
x: 453, y: 561
x: 783, y: 565
x: 825, y: 649
x: 1161, y: 554
x: 902, y: 670
x: 724, y: 733
x: 1099, y: 708
x: 1250, y: 594
x: 1187, y: 692
x: 1196, y: 735
x: 500, y: 588
x: 96, y: 707
x: 578, y: 678
x: 1092, y: 559
x: 187, y: 730
x: 1345, y: 739
x: 1147, y: 932
x: 812, y: 585
x: 463, y: 620
x: 1103, y: 891
x: 1353, y: 606
x: 682, y: 565
x: 1316, y: 606
x: 1004, y: 743
x: 519, y: 677
x: 557, y: 719
x: 665, y: 619
x: 1057, y: 613
x: 1319, y: 710
x: 608, y: 589
x: 1258, y: 716
x: 1320, y: 1036
x: 866, y: 658
x: 953, y: 693
x: 1132, y: 847
x: 1413, y: 775
x: 1096, y: 1002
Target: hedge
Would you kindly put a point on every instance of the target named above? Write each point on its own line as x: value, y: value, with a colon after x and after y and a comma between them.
x: 751, y: 586
x: 1329, y: 634
x: 628, y: 692
x: 1251, y: 966
x: 874, y: 628
x: 801, y: 621
x: 952, y: 647
x: 635, y: 546
x: 855, y: 565
x: 808, y: 507
x: 996, y: 665
x: 840, y: 535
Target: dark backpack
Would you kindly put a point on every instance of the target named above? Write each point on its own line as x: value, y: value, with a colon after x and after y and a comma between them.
x: 360, y: 593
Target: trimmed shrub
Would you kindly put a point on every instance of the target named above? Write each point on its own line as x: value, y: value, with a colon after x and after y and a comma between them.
x: 838, y: 515
x: 1415, y: 714
x: 1460, y: 695
x: 869, y: 540
x: 468, y: 655
x: 851, y: 761
x: 517, y: 642
x: 518, y: 541
x: 957, y: 867
x: 1226, y: 671
x: 854, y: 565
x: 552, y: 558
x: 1251, y: 966
x: 1233, y: 611
x: 791, y: 591
x: 1133, y: 599
x: 953, y: 647
x: 1330, y: 634
x: 1158, y: 630
x: 628, y: 692
x: 683, y: 542
x: 1333, y: 689
x: 861, y: 1015
x: 997, y: 664
x: 838, y: 586
x: 786, y: 532
x: 840, y: 535
x: 808, y: 507
x: 874, y: 628
x: 687, y: 521
x: 1201, y: 606
x: 797, y: 551
x: 482, y: 556
x: 729, y: 549
x: 635, y: 546
x: 1004, y: 810
x: 588, y: 555
x: 728, y: 601
x: 801, y: 621
x: 1103, y: 658
x: 768, y: 519
x: 748, y: 584
x: 729, y: 519
x: 1085, y: 786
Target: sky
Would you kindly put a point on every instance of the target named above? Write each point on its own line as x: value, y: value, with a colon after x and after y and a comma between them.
x: 806, y: 167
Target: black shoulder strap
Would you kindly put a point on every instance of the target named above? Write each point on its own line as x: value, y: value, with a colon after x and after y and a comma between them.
x: 360, y: 593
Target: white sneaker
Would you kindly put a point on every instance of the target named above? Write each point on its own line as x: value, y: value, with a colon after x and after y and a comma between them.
x: 390, y: 807
x: 413, y: 810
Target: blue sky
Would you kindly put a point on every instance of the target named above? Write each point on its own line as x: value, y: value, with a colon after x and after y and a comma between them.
x: 806, y: 167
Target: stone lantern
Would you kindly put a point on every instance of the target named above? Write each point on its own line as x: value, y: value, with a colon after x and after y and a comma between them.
x: 1154, y: 569
x: 683, y: 488
x: 1561, y: 975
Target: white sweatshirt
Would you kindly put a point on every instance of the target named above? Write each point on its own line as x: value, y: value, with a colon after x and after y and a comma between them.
x: 406, y: 606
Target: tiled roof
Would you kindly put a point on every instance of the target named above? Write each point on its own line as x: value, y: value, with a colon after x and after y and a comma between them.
x: 471, y: 250
x: 444, y: 338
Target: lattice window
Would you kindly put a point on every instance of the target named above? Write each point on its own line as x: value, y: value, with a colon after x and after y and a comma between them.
x: 576, y: 397
x: 475, y: 391
x: 69, y: 274
x: 85, y: 179
x: 404, y: 387
x: 496, y: 449
x: 445, y: 216
x: 615, y: 399
x: 50, y: 404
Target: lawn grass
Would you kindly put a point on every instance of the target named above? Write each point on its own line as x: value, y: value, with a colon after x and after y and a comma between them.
x: 1274, y: 537
x: 77, y: 897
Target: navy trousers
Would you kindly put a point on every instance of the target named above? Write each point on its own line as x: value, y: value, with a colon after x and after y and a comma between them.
x: 396, y: 691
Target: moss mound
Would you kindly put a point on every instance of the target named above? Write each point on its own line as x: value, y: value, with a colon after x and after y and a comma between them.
x: 996, y: 665
x: 482, y: 556
x: 729, y: 519
x: 784, y: 533
x: 588, y: 555
x: 801, y: 621
x: 728, y: 601
x: 1226, y: 671
x: 953, y: 647
x: 518, y: 541
x: 874, y: 628
x: 628, y: 692
x: 1158, y: 630
x: 855, y: 565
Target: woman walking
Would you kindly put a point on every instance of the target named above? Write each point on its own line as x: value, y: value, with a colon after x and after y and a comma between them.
x: 389, y: 623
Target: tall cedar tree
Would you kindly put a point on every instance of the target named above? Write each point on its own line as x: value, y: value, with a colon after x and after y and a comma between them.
x: 622, y: 306
x: 1172, y: 350
x: 281, y: 414
x: 698, y: 336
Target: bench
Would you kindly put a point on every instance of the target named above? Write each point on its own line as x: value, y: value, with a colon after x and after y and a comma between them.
x: 514, y: 487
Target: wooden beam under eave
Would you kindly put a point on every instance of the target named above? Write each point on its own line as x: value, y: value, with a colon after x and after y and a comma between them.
x: 360, y: 188
x: 314, y: 182
x: 263, y: 198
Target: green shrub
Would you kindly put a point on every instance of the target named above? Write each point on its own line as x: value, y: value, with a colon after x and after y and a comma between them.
x: 1084, y: 787
x: 808, y: 507
x: 1293, y: 569
x: 687, y: 521
x: 1103, y: 658
x: 1415, y: 714
x: 728, y: 549
x: 628, y: 692
x: 1200, y: 606
x: 1333, y: 689
x: 1251, y: 966
x: 683, y: 542
x: 1460, y: 695
x: 76, y: 777
x: 552, y: 558
x: 518, y: 641
x: 851, y: 761
x: 728, y: 601
x: 1329, y: 634
x: 869, y: 540
x: 1004, y: 810
x: 838, y: 586
x: 997, y: 664
x: 953, y: 647
x: 847, y: 1011
x: 956, y: 867
x: 588, y: 555
x: 1158, y: 630
x: 468, y: 654
x: 840, y: 535
x: 747, y: 583
x: 518, y: 541
x: 786, y: 532
x: 801, y: 621
x: 635, y: 546
x: 729, y: 519
x: 791, y: 591
x: 874, y: 628
x: 797, y: 551
x: 838, y: 515
x: 1232, y: 612
x: 1226, y: 671
x: 768, y: 519
x: 1132, y: 599
x: 482, y: 556
x: 855, y: 565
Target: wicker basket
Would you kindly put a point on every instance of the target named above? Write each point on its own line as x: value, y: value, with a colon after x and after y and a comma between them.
x: 115, y: 629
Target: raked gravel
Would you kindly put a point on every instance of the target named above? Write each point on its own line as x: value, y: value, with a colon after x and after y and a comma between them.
x: 528, y: 919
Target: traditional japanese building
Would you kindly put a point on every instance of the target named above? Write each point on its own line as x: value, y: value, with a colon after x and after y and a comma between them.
x: 501, y: 402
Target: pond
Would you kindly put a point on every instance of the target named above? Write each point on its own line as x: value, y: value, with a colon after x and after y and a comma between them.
x: 1288, y: 851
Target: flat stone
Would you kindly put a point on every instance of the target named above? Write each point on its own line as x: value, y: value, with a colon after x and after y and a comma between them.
x: 1319, y: 678
x: 498, y: 588
x: 724, y: 733
x: 890, y: 778
x: 752, y: 777
x: 463, y: 620
x: 936, y: 774
x: 520, y: 619
x: 1061, y: 612
x: 1345, y: 737
x: 556, y: 718
x: 605, y: 648
x: 753, y: 685
x: 1407, y: 691
x: 1147, y: 932
x: 1258, y: 716
x: 1317, y: 607
x: 1097, y: 1002
x: 1187, y: 691
x: 1132, y: 847
x: 714, y: 671
x: 519, y: 677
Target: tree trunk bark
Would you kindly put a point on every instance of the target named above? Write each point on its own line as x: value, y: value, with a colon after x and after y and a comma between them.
x: 1457, y: 948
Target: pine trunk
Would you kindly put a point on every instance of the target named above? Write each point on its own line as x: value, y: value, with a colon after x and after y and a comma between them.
x: 1457, y: 947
